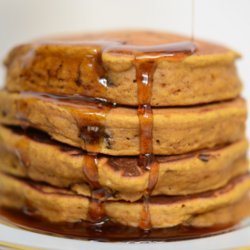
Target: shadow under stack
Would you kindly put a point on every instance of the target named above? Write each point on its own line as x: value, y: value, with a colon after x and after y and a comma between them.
x: 136, y: 130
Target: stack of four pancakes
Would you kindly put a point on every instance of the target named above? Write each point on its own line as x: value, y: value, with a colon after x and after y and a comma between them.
x: 145, y: 129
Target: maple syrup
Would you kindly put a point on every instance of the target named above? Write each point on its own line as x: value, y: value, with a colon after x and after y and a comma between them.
x: 107, y: 231
x: 145, y: 61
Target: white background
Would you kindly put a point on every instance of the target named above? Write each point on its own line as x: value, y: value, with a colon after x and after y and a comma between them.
x: 224, y: 21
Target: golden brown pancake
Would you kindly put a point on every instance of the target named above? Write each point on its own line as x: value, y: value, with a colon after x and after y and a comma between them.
x: 143, y: 129
x: 34, y: 155
x: 62, y: 205
x: 75, y: 65
x: 115, y: 130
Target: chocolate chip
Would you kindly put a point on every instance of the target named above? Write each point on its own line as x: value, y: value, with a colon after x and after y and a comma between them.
x: 4, y: 113
x: 78, y: 82
x: 108, y: 141
x: 78, y: 79
x: 92, y: 134
x: 204, y: 157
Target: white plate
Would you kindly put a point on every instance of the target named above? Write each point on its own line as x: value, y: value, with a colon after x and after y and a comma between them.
x: 19, y: 237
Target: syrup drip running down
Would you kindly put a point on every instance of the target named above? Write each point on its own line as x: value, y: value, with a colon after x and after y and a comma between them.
x: 144, y: 78
x: 92, y: 135
x: 96, y: 211
x: 146, y: 60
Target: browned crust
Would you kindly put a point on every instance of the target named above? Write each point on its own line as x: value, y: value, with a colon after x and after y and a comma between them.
x: 60, y: 66
x: 176, y: 130
x: 41, y: 159
x: 63, y: 206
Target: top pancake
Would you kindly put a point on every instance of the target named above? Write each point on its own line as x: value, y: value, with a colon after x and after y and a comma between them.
x: 88, y: 65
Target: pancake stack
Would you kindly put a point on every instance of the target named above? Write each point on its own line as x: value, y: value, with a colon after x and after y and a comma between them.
x: 144, y: 129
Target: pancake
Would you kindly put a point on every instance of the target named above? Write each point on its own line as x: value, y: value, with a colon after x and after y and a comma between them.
x: 77, y: 65
x: 112, y: 130
x: 140, y: 129
x: 61, y: 205
x: 36, y: 156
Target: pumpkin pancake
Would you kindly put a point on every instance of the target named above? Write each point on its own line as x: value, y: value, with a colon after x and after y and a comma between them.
x: 112, y: 130
x: 102, y: 65
x: 141, y: 129
x: 33, y: 154
x: 63, y: 205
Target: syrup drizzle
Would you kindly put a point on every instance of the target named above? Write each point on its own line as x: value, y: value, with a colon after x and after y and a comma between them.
x: 96, y: 210
x: 192, y: 20
x: 92, y: 134
x: 144, y: 78
x: 145, y: 61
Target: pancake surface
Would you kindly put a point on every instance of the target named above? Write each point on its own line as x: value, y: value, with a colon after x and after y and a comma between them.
x: 36, y: 156
x: 70, y: 65
x: 64, y: 205
x: 175, y: 130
